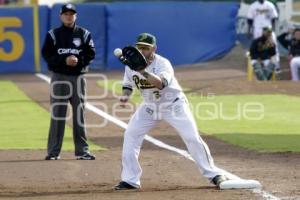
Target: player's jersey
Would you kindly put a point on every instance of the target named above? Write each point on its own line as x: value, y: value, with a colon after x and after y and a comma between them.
x: 162, y: 68
x: 262, y: 16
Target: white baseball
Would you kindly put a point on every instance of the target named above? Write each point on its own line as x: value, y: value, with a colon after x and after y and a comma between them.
x: 118, y: 52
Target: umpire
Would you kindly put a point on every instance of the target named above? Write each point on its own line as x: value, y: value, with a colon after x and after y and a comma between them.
x: 68, y: 50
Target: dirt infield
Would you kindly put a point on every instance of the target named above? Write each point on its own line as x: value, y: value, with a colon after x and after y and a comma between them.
x: 166, y: 175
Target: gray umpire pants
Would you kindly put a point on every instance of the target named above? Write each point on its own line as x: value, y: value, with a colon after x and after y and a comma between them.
x: 64, y: 89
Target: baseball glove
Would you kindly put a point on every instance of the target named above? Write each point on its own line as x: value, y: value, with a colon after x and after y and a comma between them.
x: 134, y: 58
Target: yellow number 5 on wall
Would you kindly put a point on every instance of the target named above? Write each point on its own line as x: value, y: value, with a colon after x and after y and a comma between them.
x: 17, y: 41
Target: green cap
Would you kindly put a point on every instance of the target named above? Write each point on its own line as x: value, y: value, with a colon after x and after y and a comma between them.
x: 146, y: 39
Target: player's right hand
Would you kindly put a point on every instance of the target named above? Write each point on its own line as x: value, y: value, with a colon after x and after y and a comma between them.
x: 123, y: 100
x: 72, y: 60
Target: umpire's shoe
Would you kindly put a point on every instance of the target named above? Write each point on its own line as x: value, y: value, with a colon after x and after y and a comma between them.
x: 86, y: 156
x: 51, y: 157
x: 217, y: 180
x: 124, y: 186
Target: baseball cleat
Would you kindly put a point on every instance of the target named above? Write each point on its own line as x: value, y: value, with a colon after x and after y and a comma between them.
x: 124, y: 186
x: 49, y: 157
x: 86, y: 156
x: 217, y: 180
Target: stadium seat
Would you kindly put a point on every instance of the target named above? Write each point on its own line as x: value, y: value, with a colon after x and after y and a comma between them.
x: 250, y: 72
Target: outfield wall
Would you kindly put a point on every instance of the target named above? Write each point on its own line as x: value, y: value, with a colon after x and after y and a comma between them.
x: 187, y: 32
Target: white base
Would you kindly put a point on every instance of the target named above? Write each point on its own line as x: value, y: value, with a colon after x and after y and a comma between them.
x: 240, y: 184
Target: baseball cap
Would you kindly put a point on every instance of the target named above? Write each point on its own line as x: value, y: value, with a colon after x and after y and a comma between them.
x: 68, y: 7
x: 146, y: 39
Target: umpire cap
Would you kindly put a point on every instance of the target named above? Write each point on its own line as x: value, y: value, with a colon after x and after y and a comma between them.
x: 68, y: 7
x: 146, y: 39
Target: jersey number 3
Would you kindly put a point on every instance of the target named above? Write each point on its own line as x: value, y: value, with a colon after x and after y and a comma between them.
x: 156, y: 94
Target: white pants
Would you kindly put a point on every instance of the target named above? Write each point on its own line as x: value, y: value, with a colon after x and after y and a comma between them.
x: 263, y: 62
x: 295, y: 65
x: 177, y: 115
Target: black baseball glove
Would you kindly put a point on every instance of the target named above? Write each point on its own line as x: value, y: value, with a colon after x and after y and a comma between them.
x: 133, y: 58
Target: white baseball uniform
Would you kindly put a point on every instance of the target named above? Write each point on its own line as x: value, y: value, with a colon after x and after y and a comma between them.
x: 295, y: 65
x: 169, y: 104
x: 262, y: 15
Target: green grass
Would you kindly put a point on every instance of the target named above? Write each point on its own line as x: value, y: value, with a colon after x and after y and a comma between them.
x: 274, y: 127
x: 24, y: 124
x: 268, y: 123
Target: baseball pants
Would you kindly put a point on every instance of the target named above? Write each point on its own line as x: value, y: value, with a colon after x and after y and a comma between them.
x: 177, y: 115
x: 263, y: 69
x: 295, y: 65
x: 64, y: 89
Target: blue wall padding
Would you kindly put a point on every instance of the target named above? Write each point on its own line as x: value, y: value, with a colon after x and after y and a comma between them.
x: 25, y: 63
x: 187, y: 32
x: 44, y: 25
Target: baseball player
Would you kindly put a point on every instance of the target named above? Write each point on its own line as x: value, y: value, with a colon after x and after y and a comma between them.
x: 293, y: 44
x: 163, y: 99
x: 263, y: 53
x: 262, y: 14
x: 68, y: 50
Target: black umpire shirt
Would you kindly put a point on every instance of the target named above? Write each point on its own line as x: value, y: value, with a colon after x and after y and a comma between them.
x: 63, y: 42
